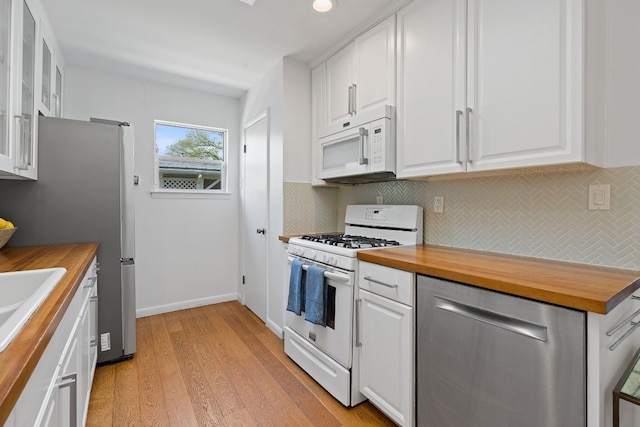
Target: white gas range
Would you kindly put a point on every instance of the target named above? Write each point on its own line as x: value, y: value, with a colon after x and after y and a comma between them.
x: 328, y: 353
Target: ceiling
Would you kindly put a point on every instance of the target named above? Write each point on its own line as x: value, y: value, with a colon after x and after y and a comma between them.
x: 220, y: 46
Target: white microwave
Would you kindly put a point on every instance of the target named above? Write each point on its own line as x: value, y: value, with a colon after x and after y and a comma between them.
x: 364, y: 151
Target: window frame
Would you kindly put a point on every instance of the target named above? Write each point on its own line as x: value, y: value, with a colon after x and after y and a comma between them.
x: 223, y: 192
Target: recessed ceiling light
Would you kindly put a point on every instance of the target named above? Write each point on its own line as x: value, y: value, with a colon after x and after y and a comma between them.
x: 249, y: 2
x: 323, y: 6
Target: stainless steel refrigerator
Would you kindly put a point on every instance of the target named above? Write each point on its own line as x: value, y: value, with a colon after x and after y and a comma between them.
x: 84, y: 193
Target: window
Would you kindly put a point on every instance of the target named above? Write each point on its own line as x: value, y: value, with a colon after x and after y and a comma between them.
x: 190, y: 158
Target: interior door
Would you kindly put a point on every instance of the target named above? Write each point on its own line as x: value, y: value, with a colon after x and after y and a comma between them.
x: 255, y: 215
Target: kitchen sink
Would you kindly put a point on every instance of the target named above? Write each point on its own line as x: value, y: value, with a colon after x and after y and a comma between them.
x: 21, y: 293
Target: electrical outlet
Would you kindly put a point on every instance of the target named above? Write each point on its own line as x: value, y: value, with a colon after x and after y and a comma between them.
x: 379, y: 199
x: 438, y: 204
x: 105, y: 341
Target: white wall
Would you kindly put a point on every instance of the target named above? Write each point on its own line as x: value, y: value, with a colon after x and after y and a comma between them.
x: 285, y: 91
x: 186, y: 249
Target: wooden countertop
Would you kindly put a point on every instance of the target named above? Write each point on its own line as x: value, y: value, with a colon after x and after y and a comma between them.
x: 579, y: 286
x: 20, y: 358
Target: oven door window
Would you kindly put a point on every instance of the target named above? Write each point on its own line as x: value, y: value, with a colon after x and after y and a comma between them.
x: 330, y: 307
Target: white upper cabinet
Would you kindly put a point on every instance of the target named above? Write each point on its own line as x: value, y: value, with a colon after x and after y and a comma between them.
x: 496, y: 84
x: 375, y: 67
x: 524, y: 80
x: 25, y: 116
x: 50, y: 71
x: 431, y: 88
x: 489, y: 84
x: 339, y: 86
x: 358, y: 78
x: 6, y: 160
x: 30, y: 83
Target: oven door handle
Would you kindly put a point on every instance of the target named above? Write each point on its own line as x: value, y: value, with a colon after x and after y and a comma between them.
x: 338, y: 277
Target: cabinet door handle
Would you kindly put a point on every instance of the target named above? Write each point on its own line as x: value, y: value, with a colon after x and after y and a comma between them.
x: 91, y: 282
x: 363, y: 133
x: 56, y: 104
x: 350, y: 101
x: 469, y: 111
x: 370, y: 279
x: 634, y: 326
x: 358, y: 307
x: 353, y: 100
x: 459, y: 114
x: 71, y: 382
x: 627, y: 321
x: 20, y: 160
x: 620, y: 324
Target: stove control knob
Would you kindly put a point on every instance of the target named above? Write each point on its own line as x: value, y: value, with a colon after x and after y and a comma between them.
x: 331, y: 260
x: 310, y: 254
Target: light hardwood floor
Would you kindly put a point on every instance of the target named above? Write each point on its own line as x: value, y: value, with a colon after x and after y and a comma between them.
x: 214, y: 365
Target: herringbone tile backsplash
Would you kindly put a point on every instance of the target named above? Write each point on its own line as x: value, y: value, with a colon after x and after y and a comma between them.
x: 542, y: 215
x: 308, y: 209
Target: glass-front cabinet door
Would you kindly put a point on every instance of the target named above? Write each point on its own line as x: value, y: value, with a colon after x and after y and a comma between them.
x: 49, y: 70
x: 57, y: 94
x: 25, y: 117
x: 45, y: 97
x: 6, y: 162
x: 31, y: 74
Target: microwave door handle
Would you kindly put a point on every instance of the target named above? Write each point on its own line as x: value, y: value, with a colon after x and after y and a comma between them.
x: 363, y: 133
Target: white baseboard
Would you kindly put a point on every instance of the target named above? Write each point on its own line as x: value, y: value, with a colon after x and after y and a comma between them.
x: 166, y: 308
x: 275, y: 328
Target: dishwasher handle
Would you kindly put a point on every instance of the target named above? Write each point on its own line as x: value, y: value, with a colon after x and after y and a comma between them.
x: 518, y: 326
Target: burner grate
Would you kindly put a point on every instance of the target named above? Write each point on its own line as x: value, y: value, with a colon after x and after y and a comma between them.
x: 351, y: 242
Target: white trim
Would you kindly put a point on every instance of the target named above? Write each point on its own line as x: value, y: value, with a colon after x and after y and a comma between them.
x: 275, y: 328
x: 225, y: 156
x: 166, y: 308
x: 189, y: 194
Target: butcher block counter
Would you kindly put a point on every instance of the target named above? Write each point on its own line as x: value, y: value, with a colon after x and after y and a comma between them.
x: 20, y: 358
x: 578, y: 286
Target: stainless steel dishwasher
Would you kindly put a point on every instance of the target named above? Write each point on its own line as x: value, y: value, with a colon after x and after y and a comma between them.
x: 486, y: 359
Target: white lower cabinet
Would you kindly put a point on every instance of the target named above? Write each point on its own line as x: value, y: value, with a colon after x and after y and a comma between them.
x: 609, y: 351
x: 57, y: 394
x: 386, y: 340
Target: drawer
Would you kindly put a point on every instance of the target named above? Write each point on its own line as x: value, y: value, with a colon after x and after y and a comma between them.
x: 394, y: 284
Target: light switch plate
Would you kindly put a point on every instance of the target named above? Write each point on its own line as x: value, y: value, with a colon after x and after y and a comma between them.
x: 600, y: 197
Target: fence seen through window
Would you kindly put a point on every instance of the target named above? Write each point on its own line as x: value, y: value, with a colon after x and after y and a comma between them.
x: 190, y: 157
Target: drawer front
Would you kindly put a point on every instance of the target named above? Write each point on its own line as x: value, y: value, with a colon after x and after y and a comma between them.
x: 391, y: 283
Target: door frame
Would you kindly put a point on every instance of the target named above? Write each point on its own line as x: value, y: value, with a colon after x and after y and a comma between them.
x: 243, y: 231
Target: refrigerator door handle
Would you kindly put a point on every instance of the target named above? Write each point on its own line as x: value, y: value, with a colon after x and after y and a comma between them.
x: 128, y: 306
x: 127, y: 212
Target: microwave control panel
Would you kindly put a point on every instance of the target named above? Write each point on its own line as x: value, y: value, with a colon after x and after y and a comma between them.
x: 380, y: 137
x: 377, y: 145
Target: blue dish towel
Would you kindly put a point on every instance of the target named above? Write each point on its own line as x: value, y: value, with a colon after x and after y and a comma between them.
x: 316, y: 296
x: 295, y: 301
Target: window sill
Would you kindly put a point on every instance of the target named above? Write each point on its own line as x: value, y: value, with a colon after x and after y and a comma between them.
x: 189, y: 194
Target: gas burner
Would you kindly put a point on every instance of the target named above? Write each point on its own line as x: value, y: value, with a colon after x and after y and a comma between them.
x: 351, y: 242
